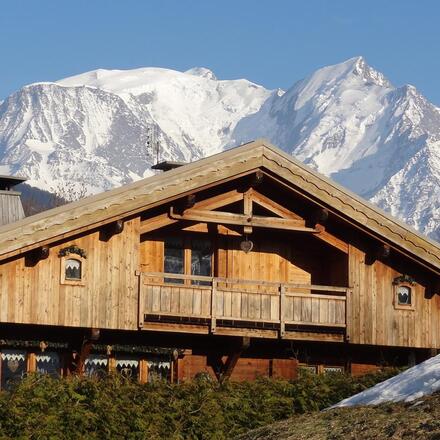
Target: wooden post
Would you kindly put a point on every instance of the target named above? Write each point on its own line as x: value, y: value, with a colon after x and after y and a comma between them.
x: 143, y: 371
x: 214, y: 306
x: 112, y: 364
x: 227, y: 367
x: 247, y: 210
x: 282, y: 307
x: 141, y: 305
x: 31, y: 362
x: 348, y: 323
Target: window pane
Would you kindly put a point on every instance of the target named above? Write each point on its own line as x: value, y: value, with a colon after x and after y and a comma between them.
x: 128, y: 367
x: 404, y: 295
x: 173, y: 258
x: 13, y: 367
x: 158, y: 370
x: 48, y: 363
x: 73, y: 269
x: 96, y: 366
x: 201, y: 260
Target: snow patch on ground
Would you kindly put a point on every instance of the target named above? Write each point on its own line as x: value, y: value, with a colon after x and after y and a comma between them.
x: 412, y: 384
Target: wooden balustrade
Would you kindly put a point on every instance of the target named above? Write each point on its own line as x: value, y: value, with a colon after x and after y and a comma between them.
x: 214, y: 301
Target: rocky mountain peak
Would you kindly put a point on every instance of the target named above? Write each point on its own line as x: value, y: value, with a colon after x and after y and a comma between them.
x: 101, y: 129
x: 202, y: 72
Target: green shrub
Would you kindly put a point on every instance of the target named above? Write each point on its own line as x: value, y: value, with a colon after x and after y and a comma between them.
x: 41, y: 407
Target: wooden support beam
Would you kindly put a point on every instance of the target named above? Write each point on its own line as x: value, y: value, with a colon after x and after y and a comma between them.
x: 83, y: 351
x: 274, y: 207
x: 31, y: 363
x: 143, y: 371
x: 186, y: 202
x: 162, y: 220
x: 247, y: 210
x: 111, y: 229
x: 320, y: 215
x: 377, y: 252
x: 36, y: 255
x: 228, y: 218
x: 223, y: 369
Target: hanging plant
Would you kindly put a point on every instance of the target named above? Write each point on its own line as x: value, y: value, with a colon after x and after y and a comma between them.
x: 74, y: 249
x: 404, y: 279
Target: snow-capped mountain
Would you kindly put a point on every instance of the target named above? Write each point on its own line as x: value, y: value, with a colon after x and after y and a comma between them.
x: 347, y: 121
x: 97, y: 129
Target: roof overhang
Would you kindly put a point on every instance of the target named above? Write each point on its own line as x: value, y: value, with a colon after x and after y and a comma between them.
x: 128, y: 200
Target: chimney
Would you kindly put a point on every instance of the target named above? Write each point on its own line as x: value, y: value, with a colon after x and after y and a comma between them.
x: 167, y: 165
x: 11, y: 209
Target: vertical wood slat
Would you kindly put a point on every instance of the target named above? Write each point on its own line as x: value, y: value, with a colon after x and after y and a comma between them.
x: 142, y: 292
x: 255, y: 303
x: 282, y: 290
x: 213, y: 306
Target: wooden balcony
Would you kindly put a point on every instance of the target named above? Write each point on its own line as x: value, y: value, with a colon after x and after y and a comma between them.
x: 196, y: 304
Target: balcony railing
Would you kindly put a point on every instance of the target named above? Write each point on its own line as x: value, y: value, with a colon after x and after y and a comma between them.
x: 217, y: 302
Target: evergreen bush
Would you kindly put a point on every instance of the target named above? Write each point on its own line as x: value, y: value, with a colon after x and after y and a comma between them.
x: 41, y: 407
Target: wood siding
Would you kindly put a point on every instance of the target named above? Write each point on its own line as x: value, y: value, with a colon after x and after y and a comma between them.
x: 375, y: 321
x: 33, y: 294
x: 11, y: 209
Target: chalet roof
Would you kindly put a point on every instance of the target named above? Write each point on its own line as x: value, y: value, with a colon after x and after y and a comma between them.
x: 109, y: 206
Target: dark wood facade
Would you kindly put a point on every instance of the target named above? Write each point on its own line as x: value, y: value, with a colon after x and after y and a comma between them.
x: 248, y: 247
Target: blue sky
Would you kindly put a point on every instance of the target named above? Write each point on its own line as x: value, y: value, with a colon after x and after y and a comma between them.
x: 273, y: 43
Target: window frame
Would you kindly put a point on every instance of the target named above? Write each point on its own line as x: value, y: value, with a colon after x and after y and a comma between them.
x: 187, y: 241
x: 396, y: 303
x: 71, y: 282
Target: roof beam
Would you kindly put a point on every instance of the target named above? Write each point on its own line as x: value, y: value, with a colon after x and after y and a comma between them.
x: 272, y: 206
x: 162, y: 220
x: 228, y: 218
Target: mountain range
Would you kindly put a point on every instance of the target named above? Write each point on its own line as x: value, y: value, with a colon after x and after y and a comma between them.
x: 104, y: 128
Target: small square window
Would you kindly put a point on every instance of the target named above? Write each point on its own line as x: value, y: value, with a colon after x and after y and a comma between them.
x: 72, y: 270
x: 403, y: 296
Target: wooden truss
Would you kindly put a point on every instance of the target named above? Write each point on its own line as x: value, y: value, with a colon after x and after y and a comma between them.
x: 205, y: 211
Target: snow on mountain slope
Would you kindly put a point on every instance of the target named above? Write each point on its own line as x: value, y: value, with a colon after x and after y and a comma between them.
x: 346, y: 121
x: 94, y: 129
x: 412, y: 384
x: 193, y: 108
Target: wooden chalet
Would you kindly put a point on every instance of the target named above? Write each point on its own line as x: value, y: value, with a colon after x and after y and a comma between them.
x: 242, y: 264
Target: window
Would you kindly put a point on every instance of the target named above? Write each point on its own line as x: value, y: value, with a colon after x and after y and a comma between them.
x: 128, y: 367
x: 13, y: 367
x: 174, y: 259
x: 48, y: 363
x: 72, y: 269
x: 190, y: 256
x: 201, y: 260
x: 403, y: 296
x: 158, y: 370
x: 333, y: 369
x: 96, y: 365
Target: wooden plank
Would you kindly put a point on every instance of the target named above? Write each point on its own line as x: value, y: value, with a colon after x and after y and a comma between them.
x: 253, y: 333
x: 213, y: 307
x: 247, y: 210
x: 282, y: 310
x: 176, y: 328
x: 274, y: 207
x: 310, y: 336
x: 156, y: 294
x: 228, y: 218
x: 236, y: 304
x: 197, y: 302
